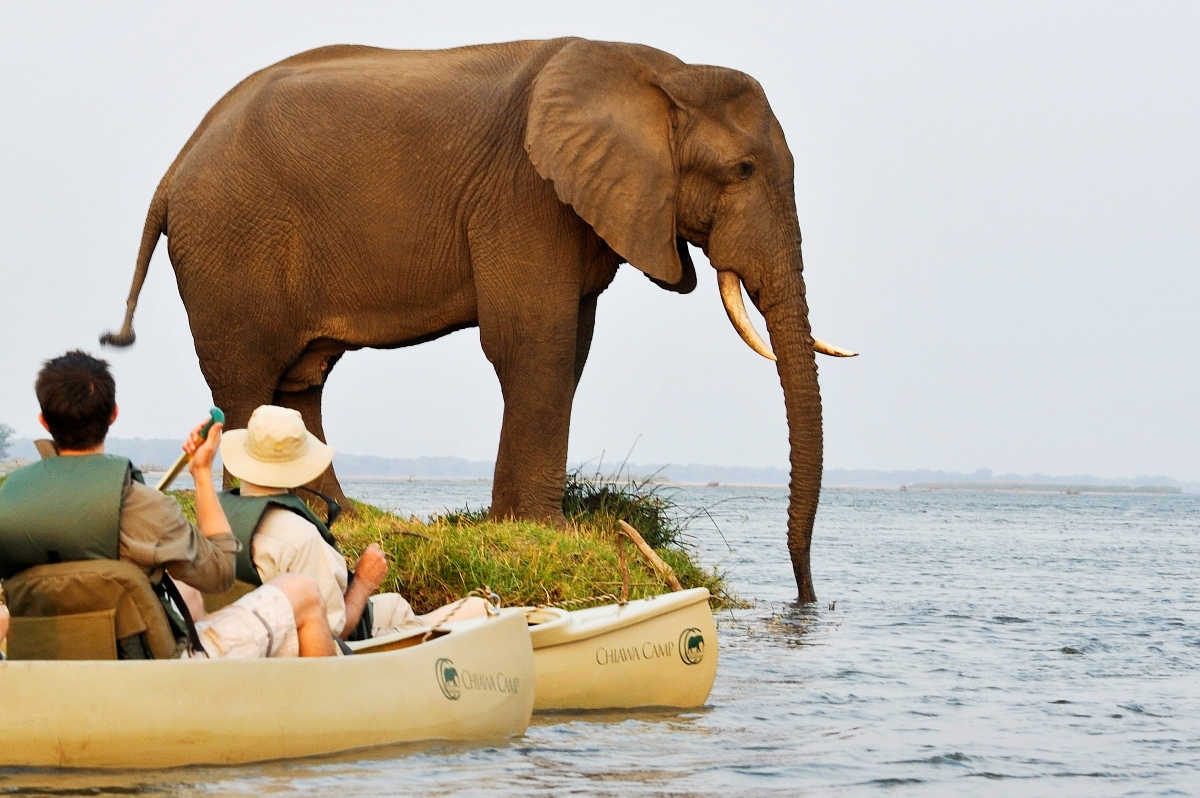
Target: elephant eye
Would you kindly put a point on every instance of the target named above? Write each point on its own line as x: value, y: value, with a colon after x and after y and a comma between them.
x: 745, y: 169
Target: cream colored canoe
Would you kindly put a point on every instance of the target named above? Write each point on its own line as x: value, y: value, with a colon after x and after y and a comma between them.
x: 473, y: 681
x: 659, y: 651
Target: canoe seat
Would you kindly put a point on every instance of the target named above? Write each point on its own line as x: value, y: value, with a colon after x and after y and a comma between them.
x: 92, y: 609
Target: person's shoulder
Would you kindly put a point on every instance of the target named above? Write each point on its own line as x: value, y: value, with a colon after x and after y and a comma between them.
x: 282, y: 522
x: 148, y: 514
x: 141, y: 494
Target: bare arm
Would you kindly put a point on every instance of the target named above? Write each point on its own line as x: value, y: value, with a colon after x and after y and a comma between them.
x: 210, y: 518
x: 154, y: 532
x: 369, y: 574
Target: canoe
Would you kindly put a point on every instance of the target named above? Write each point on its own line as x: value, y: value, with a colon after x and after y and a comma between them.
x: 474, y: 680
x: 659, y: 651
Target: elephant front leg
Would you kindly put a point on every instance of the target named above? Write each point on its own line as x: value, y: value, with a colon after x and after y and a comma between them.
x: 585, y: 326
x: 536, y: 367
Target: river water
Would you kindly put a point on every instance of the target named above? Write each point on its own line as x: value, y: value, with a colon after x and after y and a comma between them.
x: 964, y: 643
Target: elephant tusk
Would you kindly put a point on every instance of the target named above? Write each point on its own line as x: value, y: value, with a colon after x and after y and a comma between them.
x: 731, y: 298
x: 831, y: 350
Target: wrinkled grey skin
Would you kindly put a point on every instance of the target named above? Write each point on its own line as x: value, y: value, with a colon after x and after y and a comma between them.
x: 354, y: 197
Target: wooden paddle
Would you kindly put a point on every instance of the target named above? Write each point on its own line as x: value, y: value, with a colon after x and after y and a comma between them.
x: 215, y: 416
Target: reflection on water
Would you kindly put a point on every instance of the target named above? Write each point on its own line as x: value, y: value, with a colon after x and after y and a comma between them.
x: 964, y: 644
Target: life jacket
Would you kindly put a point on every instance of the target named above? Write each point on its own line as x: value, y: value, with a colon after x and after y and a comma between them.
x: 68, y: 509
x: 245, y: 513
x: 62, y: 509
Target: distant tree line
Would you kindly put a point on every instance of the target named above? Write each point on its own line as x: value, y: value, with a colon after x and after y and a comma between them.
x: 6, y: 435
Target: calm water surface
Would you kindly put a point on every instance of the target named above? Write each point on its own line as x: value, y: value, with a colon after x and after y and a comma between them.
x: 965, y: 643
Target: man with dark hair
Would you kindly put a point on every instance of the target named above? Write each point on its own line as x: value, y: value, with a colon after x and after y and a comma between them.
x: 86, y: 505
x: 78, y: 397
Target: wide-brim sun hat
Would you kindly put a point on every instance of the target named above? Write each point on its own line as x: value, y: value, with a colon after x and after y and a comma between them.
x: 275, y: 450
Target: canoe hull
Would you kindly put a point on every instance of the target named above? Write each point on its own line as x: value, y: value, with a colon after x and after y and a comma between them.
x: 475, y: 683
x: 651, y: 652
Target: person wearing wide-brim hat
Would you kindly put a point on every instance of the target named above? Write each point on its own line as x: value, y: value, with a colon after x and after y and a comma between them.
x: 80, y: 504
x: 280, y: 534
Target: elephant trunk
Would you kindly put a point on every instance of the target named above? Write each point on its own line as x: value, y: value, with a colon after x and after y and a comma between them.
x: 785, y: 310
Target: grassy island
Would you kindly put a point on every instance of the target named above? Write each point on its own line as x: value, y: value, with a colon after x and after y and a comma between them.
x: 437, y: 560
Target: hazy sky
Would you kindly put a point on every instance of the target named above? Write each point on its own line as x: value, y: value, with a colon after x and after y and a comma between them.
x: 1000, y: 209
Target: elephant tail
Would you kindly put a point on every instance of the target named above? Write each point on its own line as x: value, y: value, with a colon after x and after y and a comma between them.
x: 156, y: 225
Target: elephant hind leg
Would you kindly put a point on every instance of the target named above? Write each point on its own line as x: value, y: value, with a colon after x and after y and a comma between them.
x: 308, y: 402
x: 240, y: 382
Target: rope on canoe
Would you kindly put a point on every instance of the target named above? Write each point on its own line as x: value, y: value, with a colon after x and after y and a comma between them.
x: 566, y: 604
x: 493, y: 599
x: 493, y: 605
x: 490, y: 598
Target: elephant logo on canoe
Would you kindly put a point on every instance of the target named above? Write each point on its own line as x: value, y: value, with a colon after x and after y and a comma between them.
x: 691, y: 646
x: 447, y: 678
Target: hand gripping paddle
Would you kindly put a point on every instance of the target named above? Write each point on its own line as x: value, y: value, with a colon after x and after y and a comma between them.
x: 215, y: 416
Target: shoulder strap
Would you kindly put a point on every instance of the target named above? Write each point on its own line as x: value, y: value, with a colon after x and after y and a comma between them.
x: 300, y: 508
x: 178, y: 614
x: 245, y: 513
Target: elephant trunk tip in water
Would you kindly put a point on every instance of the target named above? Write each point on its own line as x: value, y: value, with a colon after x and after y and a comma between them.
x: 731, y: 296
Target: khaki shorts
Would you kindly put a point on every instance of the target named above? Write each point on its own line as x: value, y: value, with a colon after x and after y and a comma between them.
x: 259, y: 624
x: 390, y: 613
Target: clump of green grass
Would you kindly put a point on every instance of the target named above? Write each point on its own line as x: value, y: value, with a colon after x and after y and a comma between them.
x: 435, y: 561
x: 602, y: 500
x: 187, y: 502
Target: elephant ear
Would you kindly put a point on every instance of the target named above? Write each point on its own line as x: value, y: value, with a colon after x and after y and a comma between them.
x: 600, y: 130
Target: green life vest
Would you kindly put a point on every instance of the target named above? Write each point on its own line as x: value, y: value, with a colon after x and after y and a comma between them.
x: 246, y: 512
x: 62, y: 509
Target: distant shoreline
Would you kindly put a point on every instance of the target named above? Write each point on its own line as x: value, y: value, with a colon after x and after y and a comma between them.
x: 1044, y: 487
x: 952, y: 487
x: 148, y: 452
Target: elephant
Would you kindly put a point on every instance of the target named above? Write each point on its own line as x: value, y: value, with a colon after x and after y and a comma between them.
x: 352, y: 197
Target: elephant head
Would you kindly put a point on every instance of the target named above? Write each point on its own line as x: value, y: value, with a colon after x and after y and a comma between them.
x: 652, y: 152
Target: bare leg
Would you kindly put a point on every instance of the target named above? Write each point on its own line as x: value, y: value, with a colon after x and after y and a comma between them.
x: 3, y: 622
x: 312, y: 625
x: 194, y: 600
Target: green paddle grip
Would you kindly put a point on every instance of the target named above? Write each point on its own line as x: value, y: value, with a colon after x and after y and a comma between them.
x: 215, y: 416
